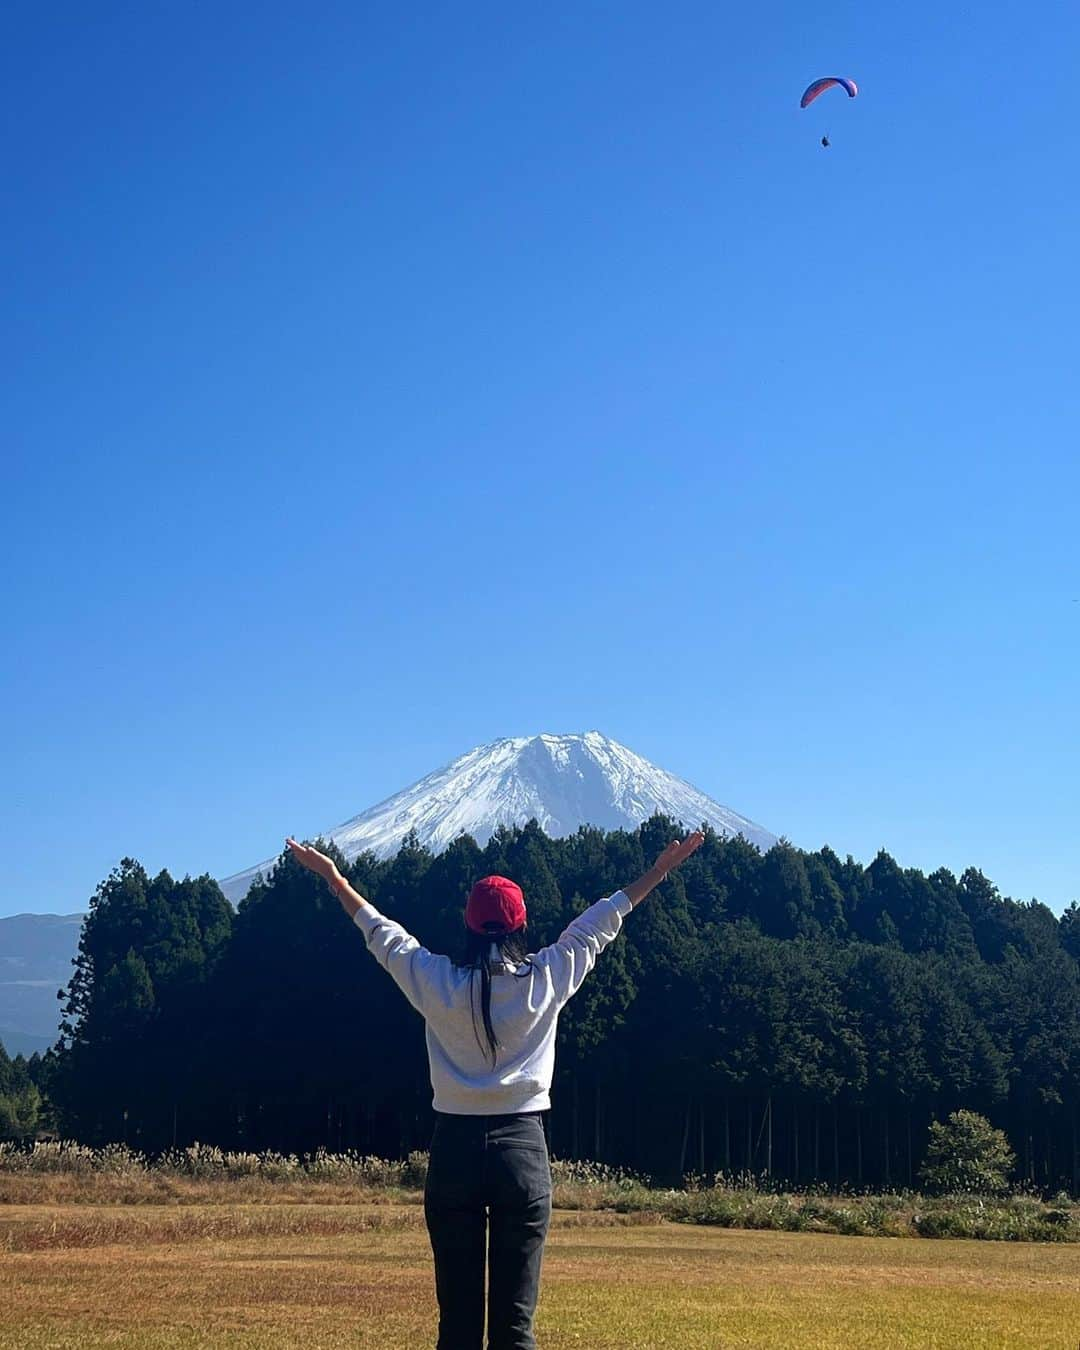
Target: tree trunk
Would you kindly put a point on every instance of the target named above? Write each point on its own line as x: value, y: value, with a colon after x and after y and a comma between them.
x: 909, y: 1148
x: 727, y: 1139
x: 836, y: 1143
x: 749, y: 1134
x: 768, y: 1147
x: 858, y: 1143
x: 701, y: 1138
x: 817, y: 1140
x: 765, y: 1120
x: 795, y: 1132
x: 685, y: 1139
x: 597, y: 1124
x: 888, y: 1170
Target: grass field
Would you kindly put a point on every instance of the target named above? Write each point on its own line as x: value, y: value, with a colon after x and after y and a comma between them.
x: 262, y: 1276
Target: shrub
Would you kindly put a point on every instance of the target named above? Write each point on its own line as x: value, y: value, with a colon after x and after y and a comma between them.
x: 352, y: 1168
x: 966, y: 1155
x: 414, y: 1172
x: 205, y: 1162
x: 1009, y: 1219
x: 272, y: 1166
x: 581, y: 1172
x: 62, y: 1155
x: 119, y: 1161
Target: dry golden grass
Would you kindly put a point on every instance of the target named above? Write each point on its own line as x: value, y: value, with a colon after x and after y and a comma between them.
x: 103, y: 1188
x: 256, y: 1276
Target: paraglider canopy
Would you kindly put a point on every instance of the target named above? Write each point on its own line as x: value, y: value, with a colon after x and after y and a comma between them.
x: 819, y: 87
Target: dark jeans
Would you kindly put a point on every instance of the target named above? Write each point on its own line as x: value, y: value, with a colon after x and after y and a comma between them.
x: 488, y: 1170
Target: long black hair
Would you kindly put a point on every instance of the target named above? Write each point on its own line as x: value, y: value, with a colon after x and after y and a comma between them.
x: 477, y: 959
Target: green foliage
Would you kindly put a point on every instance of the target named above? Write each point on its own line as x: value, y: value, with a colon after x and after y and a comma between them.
x: 20, y: 1100
x: 967, y: 1155
x: 1069, y: 925
x: 148, y: 948
x: 790, y: 1011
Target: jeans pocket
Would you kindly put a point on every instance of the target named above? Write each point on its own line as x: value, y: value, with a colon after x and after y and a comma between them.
x: 520, y: 1173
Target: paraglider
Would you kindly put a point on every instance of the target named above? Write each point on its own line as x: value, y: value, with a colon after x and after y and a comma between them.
x: 817, y: 87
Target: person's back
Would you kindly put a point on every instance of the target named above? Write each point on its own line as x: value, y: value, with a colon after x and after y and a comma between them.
x: 468, y: 1076
x: 490, y: 1020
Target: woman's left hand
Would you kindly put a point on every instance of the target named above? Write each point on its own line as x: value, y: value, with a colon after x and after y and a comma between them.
x: 313, y: 860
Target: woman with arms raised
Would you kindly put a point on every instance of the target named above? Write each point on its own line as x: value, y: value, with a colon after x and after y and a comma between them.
x: 490, y: 1021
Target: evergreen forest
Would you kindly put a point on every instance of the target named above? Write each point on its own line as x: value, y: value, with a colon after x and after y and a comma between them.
x: 789, y: 1013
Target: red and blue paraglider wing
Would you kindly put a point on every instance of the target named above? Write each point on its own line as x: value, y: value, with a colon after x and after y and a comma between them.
x: 819, y: 87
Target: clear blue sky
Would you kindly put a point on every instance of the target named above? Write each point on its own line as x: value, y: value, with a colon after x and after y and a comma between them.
x: 382, y: 380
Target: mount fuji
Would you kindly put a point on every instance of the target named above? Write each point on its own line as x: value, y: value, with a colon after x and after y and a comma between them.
x: 564, y: 781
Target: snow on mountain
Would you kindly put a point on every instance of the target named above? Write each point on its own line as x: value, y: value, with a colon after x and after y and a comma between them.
x: 564, y: 781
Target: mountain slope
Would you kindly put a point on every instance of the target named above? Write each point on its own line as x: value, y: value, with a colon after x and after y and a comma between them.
x: 564, y: 781
x: 36, y: 951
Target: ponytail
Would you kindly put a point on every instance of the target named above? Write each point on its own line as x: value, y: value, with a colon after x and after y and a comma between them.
x: 482, y: 952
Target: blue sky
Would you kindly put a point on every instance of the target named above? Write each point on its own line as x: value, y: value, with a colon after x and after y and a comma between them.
x: 380, y: 381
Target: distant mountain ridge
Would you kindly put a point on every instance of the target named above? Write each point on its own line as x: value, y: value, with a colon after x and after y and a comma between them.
x: 36, y: 951
x: 562, y: 780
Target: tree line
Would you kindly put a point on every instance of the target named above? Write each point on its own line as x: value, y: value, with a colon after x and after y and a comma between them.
x: 786, y: 1012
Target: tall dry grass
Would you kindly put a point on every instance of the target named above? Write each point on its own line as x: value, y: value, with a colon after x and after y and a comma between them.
x: 68, y: 1173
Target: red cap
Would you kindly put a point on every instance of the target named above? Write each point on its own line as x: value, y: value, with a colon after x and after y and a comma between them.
x: 496, y: 905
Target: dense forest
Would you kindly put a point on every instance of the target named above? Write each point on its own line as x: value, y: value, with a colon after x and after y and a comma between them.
x: 789, y: 1012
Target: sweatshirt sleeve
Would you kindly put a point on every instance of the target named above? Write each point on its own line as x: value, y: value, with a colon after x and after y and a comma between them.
x: 570, y: 959
x: 418, y: 973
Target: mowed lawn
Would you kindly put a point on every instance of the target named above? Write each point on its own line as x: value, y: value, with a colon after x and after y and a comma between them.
x: 265, y: 1276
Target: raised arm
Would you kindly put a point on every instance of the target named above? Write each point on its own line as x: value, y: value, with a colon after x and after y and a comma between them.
x: 570, y: 959
x: 414, y: 969
x: 351, y: 901
x: 676, y: 852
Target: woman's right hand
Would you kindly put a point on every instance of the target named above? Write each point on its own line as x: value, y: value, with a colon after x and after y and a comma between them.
x: 677, y: 852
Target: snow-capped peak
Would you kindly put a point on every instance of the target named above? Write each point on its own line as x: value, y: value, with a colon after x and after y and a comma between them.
x: 564, y: 781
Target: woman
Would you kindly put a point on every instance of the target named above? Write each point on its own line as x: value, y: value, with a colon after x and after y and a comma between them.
x: 490, y: 1024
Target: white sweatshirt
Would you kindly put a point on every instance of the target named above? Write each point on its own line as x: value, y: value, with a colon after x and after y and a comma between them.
x: 525, y: 1007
